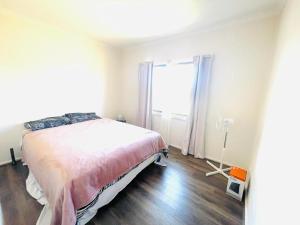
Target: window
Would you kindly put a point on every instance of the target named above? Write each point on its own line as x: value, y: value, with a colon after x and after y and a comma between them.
x: 172, y: 85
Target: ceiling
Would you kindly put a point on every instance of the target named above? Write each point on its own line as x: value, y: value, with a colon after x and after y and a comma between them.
x: 127, y: 21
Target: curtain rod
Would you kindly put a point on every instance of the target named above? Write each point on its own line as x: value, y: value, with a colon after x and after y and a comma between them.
x: 182, y: 61
x: 174, y: 63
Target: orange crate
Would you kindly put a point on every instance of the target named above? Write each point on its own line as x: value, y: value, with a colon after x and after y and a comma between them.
x: 238, y: 173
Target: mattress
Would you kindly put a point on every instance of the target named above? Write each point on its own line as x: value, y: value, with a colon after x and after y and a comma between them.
x: 85, y: 214
x: 73, y: 163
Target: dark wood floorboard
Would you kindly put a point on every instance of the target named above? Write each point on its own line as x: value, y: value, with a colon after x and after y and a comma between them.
x: 179, y: 194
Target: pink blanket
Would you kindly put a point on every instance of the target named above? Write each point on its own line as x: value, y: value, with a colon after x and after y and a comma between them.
x: 72, y: 163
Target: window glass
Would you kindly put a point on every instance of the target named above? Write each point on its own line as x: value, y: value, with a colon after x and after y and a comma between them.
x: 172, y: 85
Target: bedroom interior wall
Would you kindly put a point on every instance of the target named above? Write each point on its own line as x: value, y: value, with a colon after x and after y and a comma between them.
x: 273, y: 196
x: 45, y: 71
x: 242, y: 66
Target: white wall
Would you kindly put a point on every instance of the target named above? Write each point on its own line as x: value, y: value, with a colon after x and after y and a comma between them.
x: 274, y: 188
x: 243, y: 56
x: 45, y: 71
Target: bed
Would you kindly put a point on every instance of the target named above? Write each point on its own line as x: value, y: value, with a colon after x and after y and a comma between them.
x: 76, y: 169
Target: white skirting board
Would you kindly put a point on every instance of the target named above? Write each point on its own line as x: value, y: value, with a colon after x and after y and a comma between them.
x: 218, y: 161
x: 9, y: 161
x: 209, y: 158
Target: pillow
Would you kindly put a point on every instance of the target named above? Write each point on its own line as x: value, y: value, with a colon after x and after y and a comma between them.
x: 47, y: 123
x: 69, y: 115
x: 81, y: 117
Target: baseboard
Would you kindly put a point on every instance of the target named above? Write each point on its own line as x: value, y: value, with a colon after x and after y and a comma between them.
x: 247, y: 195
x: 246, y: 206
x: 9, y: 161
x: 175, y: 146
x: 207, y: 158
x: 218, y: 161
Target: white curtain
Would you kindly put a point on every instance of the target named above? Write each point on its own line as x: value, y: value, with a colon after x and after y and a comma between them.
x: 194, y: 142
x: 145, y: 95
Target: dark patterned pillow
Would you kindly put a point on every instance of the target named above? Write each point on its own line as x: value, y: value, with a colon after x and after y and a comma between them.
x: 81, y: 117
x: 47, y: 123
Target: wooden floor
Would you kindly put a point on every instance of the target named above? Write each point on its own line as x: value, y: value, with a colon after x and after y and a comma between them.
x: 179, y: 194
